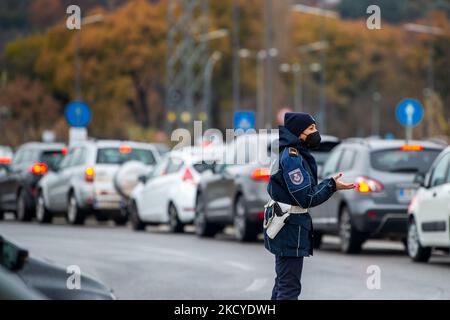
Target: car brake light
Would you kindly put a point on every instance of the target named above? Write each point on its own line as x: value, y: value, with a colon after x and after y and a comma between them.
x: 5, y: 160
x: 39, y: 168
x: 366, y: 185
x: 261, y: 174
x: 187, y: 176
x: 409, y: 147
x: 64, y: 151
x: 89, y: 174
x: 260, y: 216
x: 125, y: 149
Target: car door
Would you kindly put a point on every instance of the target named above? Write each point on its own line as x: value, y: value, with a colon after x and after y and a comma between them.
x: 154, y: 194
x: 218, y: 191
x: 324, y: 216
x: 59, y: 191
x: 434, y: 207
x: 166, y: 186
x: 8, y: 181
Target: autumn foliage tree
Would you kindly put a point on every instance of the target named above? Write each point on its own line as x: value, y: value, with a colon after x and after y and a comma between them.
x: 27, y: 110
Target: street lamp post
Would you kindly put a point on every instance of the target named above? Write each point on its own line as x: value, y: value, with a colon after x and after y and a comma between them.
x: 269, y: 63
x: 296, y: 71
x: 236, y: 59
x: 322, y: 13
x: 432, y: 31
x: 260, y: 57
x: 376, y: 113
x: 207, y: 85
x: 85, y: 21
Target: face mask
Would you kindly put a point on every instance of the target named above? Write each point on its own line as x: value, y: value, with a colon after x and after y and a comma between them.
x: 312, y: 140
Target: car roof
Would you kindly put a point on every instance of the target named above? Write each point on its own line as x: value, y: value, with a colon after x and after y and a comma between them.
x: 195, y: 154
x: 43, y: 145
x: 328, y: 138
x: 117, y: 143
x: 447, y: 149
x: 379, y: 144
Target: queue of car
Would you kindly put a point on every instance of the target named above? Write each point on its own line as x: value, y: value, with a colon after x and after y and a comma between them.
x: 402, y: 193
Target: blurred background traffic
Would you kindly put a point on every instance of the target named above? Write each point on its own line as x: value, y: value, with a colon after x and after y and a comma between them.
x: 87, y: 117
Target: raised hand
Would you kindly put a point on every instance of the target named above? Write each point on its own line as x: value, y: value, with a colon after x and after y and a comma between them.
x: 342, y: 185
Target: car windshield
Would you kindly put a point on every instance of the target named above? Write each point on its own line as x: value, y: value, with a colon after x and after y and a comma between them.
x: 52, y: 158
x: 395, y: 160
x: 119, y: 156
x: 322, y: 153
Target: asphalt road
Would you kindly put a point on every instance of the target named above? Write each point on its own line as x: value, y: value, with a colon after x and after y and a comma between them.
x: 158, y: 265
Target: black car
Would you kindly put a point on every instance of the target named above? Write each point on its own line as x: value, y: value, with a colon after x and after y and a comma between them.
x: 18, y: 184
x: 25, y: 277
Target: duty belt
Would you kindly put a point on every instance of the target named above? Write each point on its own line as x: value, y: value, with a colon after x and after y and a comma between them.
x: 287, y: 208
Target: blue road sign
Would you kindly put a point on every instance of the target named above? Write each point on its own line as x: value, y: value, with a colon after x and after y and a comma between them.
x: 409, y: 112
x: 244, y: 120
x: 78, y: 114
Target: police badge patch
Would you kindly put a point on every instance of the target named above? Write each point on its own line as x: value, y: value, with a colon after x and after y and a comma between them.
x: 296, y: 176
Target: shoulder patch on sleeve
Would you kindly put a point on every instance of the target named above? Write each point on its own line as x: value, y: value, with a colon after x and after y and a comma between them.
x: 293, y: 152
x: 296, y: 176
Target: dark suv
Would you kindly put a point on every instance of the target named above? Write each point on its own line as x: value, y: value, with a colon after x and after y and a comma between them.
x: 18, y: 185
x: 384, y: 172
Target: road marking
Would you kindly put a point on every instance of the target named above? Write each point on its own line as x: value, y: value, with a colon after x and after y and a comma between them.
x: 257, y: 284
x: 239, y: 265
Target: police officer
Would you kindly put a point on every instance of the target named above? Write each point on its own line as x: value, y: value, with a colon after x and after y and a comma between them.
x: 293, y: 185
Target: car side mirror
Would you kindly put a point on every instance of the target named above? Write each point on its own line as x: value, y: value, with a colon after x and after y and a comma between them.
x: 213, y: 167
x: 420, y: 179
x: 143, y: 179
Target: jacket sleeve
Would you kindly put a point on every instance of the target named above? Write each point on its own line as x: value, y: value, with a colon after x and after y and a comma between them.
x: 300, y: 184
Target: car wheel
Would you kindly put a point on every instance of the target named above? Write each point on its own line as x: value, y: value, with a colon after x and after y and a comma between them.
x: 23, y: 212
x: 136, y: 222
x: 176, y: 226
x: 351, y: 239
x: 74, y: 216
x: 244, y: 230
x: 415, y: 250
x: 43, y: 215
x: 2, y: 215
x: 120, y: 217
x: 202, y: 227
x: 101, y: 216
x: 317, y: 239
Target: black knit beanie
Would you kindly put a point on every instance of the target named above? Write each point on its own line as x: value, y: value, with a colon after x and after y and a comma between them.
x: 297, y: 122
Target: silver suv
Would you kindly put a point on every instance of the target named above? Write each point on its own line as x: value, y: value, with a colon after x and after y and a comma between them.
x: 384, y: 172
x: 83, y: 181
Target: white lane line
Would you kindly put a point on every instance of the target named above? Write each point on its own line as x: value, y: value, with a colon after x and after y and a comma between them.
x: 239, y: 265
x: 257, y: 284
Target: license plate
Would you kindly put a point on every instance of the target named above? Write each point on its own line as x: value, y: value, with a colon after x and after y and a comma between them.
x: 405, y: 194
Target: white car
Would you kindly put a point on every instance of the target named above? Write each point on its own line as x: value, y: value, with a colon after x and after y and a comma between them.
x: 429, y: 211
x: 83, y: 181
x: 167, y: 195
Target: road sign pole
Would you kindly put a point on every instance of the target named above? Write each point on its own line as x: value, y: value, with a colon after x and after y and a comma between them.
x: 408, y: 133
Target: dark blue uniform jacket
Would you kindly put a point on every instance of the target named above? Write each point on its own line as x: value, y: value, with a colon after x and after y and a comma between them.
x: 293, y: 181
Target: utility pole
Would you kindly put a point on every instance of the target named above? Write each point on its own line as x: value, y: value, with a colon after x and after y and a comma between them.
x: 269, y: 63
x: 236, y: 58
